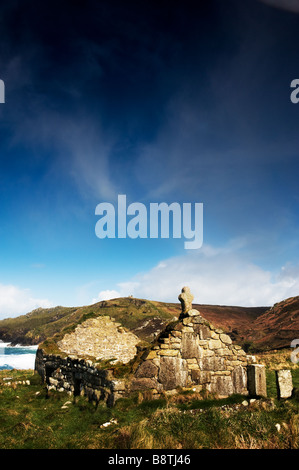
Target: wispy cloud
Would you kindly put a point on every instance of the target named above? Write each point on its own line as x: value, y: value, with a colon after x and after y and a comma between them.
x: 215, y: 276
x: 290, y: 5
x: 16, y: 301
x: 87, y: 154
x: 56, y: 117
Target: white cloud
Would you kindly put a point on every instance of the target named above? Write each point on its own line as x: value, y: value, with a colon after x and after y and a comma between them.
x: 216, y: 276
x: 106, y: 295
x: 15, y: 301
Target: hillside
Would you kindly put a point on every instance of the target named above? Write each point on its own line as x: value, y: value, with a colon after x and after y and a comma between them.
x: 143, y: 317
x: 276, y: 327
x: 264, y: 327
x: 235, y: 320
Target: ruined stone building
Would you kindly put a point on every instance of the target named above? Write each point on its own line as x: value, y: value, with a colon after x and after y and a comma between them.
x: 189, y: 353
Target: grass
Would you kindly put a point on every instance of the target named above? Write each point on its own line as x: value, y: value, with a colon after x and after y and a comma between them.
x: 276, y: 359
x: 32, y: 419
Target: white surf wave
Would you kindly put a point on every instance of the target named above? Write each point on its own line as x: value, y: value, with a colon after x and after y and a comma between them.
x: 8, y: 345
x: 18, y: 361
x: 34, y: 348
x: 17, y: 356
x: 4, y: 345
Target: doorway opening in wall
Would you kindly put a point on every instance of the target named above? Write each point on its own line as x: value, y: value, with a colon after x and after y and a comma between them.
x: 49, y: 370
x: 77, y: 386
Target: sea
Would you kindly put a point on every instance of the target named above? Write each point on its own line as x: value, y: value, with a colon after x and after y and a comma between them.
x: 16, y: 357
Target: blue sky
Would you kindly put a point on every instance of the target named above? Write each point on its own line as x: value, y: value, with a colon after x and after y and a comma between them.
x: 161, y: 101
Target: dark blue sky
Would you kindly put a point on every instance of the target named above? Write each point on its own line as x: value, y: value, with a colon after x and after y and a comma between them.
x: 161, y: 101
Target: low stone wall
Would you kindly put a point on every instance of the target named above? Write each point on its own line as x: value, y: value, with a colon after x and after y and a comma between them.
x: 192, y: 353
x: 78, y: 377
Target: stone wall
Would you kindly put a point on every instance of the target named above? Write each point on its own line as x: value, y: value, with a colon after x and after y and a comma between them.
x: 78, y: 377
x: 192, y: 353
x: 101, y: 338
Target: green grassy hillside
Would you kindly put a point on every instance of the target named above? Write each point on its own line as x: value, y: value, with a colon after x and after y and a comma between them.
x: 143, y: 317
